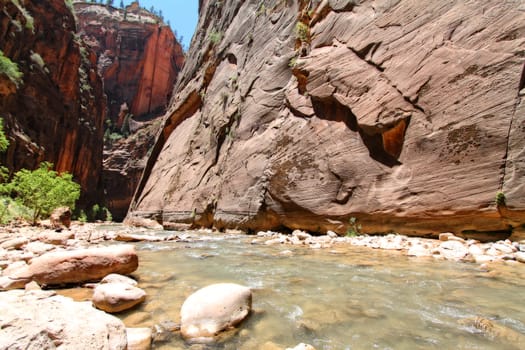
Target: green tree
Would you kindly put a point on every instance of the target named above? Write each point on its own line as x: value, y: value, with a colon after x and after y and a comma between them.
x: 43, y: 190
x: 4, y: 142
x: 121, y: 4
x: 4, y: 172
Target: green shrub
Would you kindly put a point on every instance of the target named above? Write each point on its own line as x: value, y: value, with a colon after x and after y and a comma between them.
x: 108, y: 217
x: 10, y: 69
x: 43, y: 190
x: 82, y: 217
x: 30, y: 21
x: 302, y: 32
x: 293, y: 62
x: 12, y: 210
x: 354, y: 229
x: 261, y: 10
x: 500, y: 199
x: 215, y: 37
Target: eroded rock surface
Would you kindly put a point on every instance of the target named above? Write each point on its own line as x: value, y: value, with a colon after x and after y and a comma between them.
x: 42, y: 320
x: 405, y: 115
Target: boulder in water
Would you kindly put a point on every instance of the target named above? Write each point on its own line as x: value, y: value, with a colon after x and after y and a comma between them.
x: 213, y: 309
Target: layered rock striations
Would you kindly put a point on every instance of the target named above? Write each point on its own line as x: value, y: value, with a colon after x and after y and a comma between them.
x: 139, y: 59
x: 56, y: 112
x: 138, y: 56
x: 404, y: 115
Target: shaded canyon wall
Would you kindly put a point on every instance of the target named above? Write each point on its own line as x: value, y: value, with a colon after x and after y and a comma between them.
x: 57, y: 112
x: 406, y: 115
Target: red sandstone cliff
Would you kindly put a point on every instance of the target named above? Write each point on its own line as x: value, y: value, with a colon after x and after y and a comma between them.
x: 57, y: 112
x: 405, y: 115
x: 139, y: 59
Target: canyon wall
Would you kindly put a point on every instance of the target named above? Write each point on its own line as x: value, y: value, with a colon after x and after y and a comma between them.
x: 405, y: 115
x: 56, y: 112
x: 139, y: 59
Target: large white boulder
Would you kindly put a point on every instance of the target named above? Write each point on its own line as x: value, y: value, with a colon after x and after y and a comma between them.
x: 42, y: 320
x: 213, y: 309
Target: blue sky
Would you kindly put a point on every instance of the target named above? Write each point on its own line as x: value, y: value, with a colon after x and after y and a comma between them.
x: 182, y: 14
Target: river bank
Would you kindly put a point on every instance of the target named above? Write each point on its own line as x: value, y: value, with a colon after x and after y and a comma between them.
x: 23, y: 243
x: 175, y: 264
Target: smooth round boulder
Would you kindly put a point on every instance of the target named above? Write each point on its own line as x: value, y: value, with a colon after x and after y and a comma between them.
x: 116, y: 297
x: 213, y: 309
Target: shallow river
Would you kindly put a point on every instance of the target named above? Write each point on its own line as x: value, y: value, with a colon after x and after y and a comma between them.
x: 339, y: 298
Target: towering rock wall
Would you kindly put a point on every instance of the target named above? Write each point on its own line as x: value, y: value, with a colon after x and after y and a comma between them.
x: 138, y: 56
x: 57, y: 112
x: 139, y: 59
x: 406, y: 115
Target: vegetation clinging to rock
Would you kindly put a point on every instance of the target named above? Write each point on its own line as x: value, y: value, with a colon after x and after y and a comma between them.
x: 10, y: 69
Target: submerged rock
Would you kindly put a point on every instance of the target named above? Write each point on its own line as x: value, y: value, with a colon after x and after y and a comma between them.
x: 493, y: 330
x: 139, y: 338
x: 43, y: 320
x: 302, y: 346
x: 214, y: 309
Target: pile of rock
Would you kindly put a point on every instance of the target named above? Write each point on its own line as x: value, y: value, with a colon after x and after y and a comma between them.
x: 50, y: 258
x: 449, y: 246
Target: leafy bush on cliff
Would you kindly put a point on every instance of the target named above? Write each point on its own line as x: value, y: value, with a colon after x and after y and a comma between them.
x: 43, y: 190
x: 10, y: 69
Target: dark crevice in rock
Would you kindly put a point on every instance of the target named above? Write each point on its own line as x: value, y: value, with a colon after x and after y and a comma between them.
x: 522, y: 80
x: 413, y: 103
x: 369, y: 51
x: 363, y: 53
x: 224, y: 131
x: 511, y: 124
x: 384, y: 143
x: 231, y: 58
